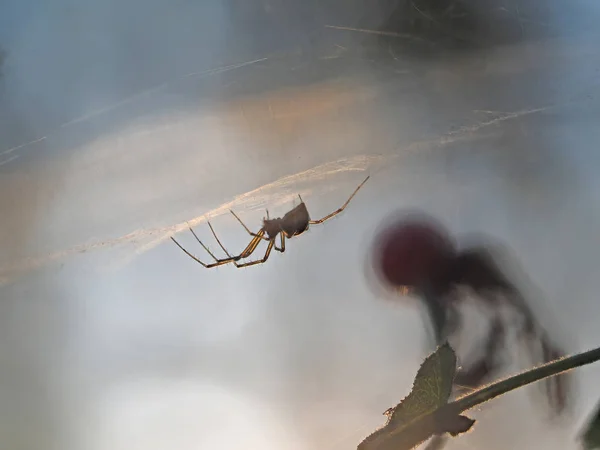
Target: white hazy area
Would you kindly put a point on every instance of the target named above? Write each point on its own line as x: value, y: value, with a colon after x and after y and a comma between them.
x: 124, y: 121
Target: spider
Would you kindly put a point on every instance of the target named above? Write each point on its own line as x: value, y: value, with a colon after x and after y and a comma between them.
x: 293, y: 223
x: 415, y: 254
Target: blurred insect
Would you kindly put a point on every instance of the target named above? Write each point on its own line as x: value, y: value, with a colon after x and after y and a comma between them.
x: 293, y: 223
x: 416, y: 255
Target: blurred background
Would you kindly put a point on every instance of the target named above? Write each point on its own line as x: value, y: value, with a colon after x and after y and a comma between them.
x: 120, y: 121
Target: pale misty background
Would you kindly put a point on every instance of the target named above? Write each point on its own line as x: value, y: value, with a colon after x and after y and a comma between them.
x: 121, y: 120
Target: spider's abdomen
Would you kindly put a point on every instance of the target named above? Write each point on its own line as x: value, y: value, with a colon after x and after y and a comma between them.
x: 295, y: 222
x: 295, y: 229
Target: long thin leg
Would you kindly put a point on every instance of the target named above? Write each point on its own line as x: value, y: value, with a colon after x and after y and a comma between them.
x: 231, y: 258
x: 252, y: 245
x: 249, y: 248
x: 217, y: 239
x: 256, y: 235
x: 244, y: 254
x: 219, y: 262
x: 282, y: 239
x: 208, y: 266
x: 259, y: 261
x: 339, y: 210
x: 246, y: 228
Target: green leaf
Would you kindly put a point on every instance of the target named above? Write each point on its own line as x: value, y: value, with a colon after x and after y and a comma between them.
x: 426, y: 412
x: 423, y: 412
x: 591, y: 435
x: 431, y: 389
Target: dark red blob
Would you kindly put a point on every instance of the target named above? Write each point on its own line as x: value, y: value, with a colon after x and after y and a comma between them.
x: 411, y: 250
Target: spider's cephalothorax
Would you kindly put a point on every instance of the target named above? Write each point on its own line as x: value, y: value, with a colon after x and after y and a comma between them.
x: 293, y: 223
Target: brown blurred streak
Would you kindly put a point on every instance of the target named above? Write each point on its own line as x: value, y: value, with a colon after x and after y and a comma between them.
x: 283, y: 116
x: 26, y: 193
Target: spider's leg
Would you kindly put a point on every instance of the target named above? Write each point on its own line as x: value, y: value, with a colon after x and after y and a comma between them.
x: 259, y: 261
x: 253, y: 244
x: 218, y: 240
x: 211, y: 253
x: 340, y: 209
x: 250, y: 248
x: 245, y: 227
x: 188, y: 253
x: 208, y: 266
x: 240, y: 221
x: 246, y: 252
x: 282, y: 239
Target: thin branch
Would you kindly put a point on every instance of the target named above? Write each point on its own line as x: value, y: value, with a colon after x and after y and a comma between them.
x: 539, y: 373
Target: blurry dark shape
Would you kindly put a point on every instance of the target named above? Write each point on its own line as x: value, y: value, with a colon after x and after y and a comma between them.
x: 425, y: 29
x: 414, y: 253
x: 293, y: 223
x: 411, y: 253
x: 469, y: 24
x: 448, y: 22
x: 590, y: 438
x: 419, y: 29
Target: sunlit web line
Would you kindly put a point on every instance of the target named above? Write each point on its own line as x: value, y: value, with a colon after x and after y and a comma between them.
x: 448, y: 137
x: 130, y: 99
x: 25, y: 144
x: 11, y: 158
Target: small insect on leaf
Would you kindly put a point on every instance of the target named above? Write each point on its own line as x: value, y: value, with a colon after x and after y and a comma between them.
x: 422, y: 413
x: 590, y: 437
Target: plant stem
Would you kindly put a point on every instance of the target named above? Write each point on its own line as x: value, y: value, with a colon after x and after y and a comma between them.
x: 501, y: 387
